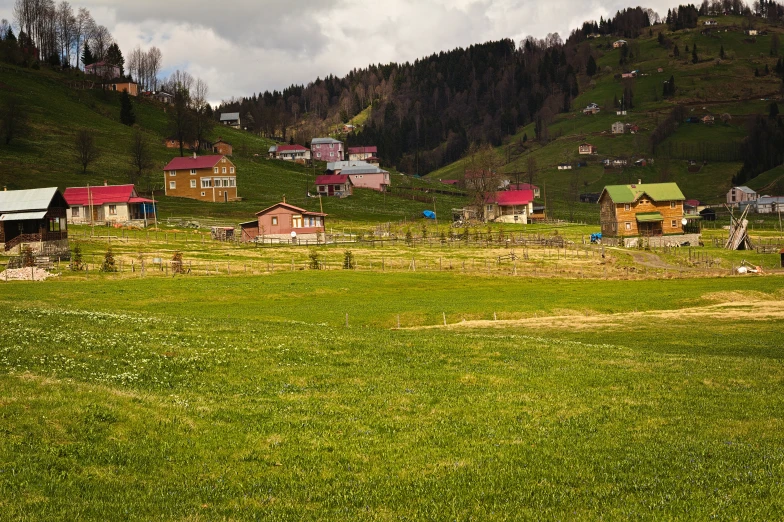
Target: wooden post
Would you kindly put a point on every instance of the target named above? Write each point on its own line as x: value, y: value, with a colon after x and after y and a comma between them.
x: 398, y: 315
x: 444, y: 313
x: 346, y: 320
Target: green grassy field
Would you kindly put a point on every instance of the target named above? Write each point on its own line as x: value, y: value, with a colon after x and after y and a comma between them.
x: 131, y: 400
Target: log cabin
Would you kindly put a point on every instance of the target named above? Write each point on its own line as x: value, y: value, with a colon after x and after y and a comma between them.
x: 34, y: 218
x: 654, y: 209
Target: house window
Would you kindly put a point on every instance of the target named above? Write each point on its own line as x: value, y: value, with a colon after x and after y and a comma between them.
x: 224, y: 170
x: 193, y: 183
x: 628, y: 226
x: 627, y: 207
x: 296, y: 221
x: 112, y: 210
x: 674, y: 224
x: 233, y: 182
x: 193, y: 172
x: 75, y: 212
x: 206, y: 182
x: 331, y: 154
x: 318, y: 154
x: 231, y: 170
x: 489, y: 208
x: 220, y: 193
x: 215, y: 170
x: 672, y: 204
x: 274, y: 220
x: 172, y: 173
x: 172, y: 184
x: 54, y: 224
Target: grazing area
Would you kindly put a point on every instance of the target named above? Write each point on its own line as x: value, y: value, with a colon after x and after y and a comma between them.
x: 295, y: 396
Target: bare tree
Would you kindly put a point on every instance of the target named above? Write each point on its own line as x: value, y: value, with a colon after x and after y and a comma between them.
x: 82, y: 30
x: 140, y: 157
x: 84, y: 148
x: 531, y: 168
x: 13, y: 121
x: 153, y: 67
x: 100, y: 40
x: 181, y: 121
x: 202, y: 121
x: 66, y: 22
x: 482, y: 178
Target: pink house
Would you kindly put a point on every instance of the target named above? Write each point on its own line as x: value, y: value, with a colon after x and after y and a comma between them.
x: 284, y: 222
x: 326, y: 149
x: 103, y: 69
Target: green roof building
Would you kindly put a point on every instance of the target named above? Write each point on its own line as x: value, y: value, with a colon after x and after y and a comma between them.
x: 649, y: 210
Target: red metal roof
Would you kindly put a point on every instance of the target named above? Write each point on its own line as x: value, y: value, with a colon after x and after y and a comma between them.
x: 332, y: 179
x: 522, y: 186
x: 101, y: 194
x: 450, y: 181
x: 291, y: 207
x: 290, y: 148
x: 508, y: 198
x: 362, y: 150
x: 189, y: 162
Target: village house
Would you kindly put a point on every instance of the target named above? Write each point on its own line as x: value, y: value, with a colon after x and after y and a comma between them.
x: 769, y: 204
x: 618, y: 127
x: 174, y: 143
x: 654, y: 209
x: 631, y: 74
x: 163, y: 97
x: 108, y: 204
x: 592, y: 108
x: 326, y: 149
x: 509, y: 206
x: 206, y: 178
x: 117, y: 85
x: 691, y: 207
x: 617, y: 44
x: 296, y: 153
x: 284, y: 222
x: 526, y: 186
x: 362, y: 174
x: 232, y: 119
x: 334, y: 185
x: 737, y: 195
x: 708, y: 119
x: 620, y: 112
x: 751, y: 32
x: 103, y: 70
x: 710, y: 22
x: 34, y: 218
x: 586, y: 148
x: 361, y: 153
x: 564, y: 166
x: 223, y: 148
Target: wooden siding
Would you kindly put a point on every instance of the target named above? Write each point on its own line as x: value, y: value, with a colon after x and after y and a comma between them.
x: 183, y: 189
x: 612, y: 213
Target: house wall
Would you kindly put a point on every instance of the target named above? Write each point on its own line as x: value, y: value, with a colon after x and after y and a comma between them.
x: 327, y: 151
x: 360, y: 157
x: 294, y: 155
x: 372, y: 181
x: 183, y: 188
x: 284, y: 225
x: 249, y: 232
x: 224, y: 149
x: 101, y: 213
x: 739, y: 196
x: 617, y: 214
x: 129, y: 87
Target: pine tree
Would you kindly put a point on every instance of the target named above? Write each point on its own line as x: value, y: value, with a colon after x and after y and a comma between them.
x: 721, y: 52
x: 114, y: 56
x: 87, y: 56
x: 590, y: 68
x: 127, y: 116
x: 108, y: 262
x: 676, y: 52
x: 694, y: 57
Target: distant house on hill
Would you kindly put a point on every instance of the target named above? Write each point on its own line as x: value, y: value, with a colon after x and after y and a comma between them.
x: 232, y: 119
x: 174, y: 143
x: 118, y: 85
x: 592, y: 108
x: 526, y: 186
x: 296, y: 153
x: 617, y: 44
x: 284, y: 222
x: 631, y: 74
x: 586, y: 148
x: 770, y: 204
x: 36, y: 218
x: 653, y: 209
x: 361, y: 153
x: 708, y: 119
x: 206, y: 178
x: 362, y: 174
x: 223, y: 148
x: 326, y: 149
x: 710, y: 22
x: 103, y: 70
x: 107, y: 204
x: 618, y: 127
x: 737, y: 195
x: 509, y: 206
x: 334, y: 185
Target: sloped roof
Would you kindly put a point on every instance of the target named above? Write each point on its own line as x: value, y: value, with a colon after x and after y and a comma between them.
x: 649, y: 217
x: 322, y: 141
x: 509, y: 198
x: 745, y: 189
x: 332, y: 179
x: 656, y: 191
x: 291, y: 148
x: 99, y: 195
x: 290, y: 207
x: 362, y: 169
x: 189, y: 162
x: 26, y: 200
x: 363, y: 150
x: 229, y: 116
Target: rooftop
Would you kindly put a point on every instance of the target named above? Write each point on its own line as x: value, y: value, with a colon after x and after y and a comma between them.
x: 656, y: 191
x: 24, y: 200
x: 189, y: 162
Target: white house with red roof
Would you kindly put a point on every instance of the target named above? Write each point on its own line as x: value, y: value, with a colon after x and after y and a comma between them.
x: 107, y: 204
x: 334, y: 185
x: 289, y: 153
x: 362, y: 153
x: 509, y: 206
x: 206, y: 178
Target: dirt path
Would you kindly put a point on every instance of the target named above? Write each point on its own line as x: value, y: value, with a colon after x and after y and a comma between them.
x: 654, y: 261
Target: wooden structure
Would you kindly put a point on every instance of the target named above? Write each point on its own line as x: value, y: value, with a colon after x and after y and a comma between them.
x: 222, y: 233
x: 654, y: 209
x: 108, y: 204
x: 206, y: 178
x: 284, y: 222
x: 36, y: 218
x: 334, y: 185
x: 223, y: 148
x: 739, y: 235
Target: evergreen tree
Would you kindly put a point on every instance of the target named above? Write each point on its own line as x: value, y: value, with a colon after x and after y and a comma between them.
x: 675, y: 51
x: 694, y: 57
x: 773, y: 111
x: 721, y: 52
x: 127, y: 115
x: 114, y: 56
x: 590, y: 68
x: 87, y: 55
x: 661, y: 38
x: 767, y: 70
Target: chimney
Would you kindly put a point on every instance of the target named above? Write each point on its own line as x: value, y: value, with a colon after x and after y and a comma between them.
x: 639, y: 182
x: 284, y: 198
x: 194, y: 155
x: 105, y: 183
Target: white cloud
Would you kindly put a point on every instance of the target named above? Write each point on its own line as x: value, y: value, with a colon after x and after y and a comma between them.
x: 243, y: 46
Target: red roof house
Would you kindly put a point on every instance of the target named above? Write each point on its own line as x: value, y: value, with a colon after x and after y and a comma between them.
x: 362, y: 153
x: 525, y: 186
x: 509, y: 206
x: 107, y: 203
x: 334, y: 185
x: 284, y: 222
x: 289, y: 153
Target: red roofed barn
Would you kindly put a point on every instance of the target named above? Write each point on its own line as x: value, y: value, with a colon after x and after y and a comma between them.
x: 206, y: 178
x: 107, y: 204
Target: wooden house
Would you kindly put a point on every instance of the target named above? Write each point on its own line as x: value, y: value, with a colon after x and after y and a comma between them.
x: 206, y: 178
x: 586, y: 148
x: 738, y: 195
x: 34, y: 218
x: 295, y: 153
x: 617, y: 44
x: 618, y: 128
x: 107, y: 204
x: 232, y: 119
x: 284, y: 222
x: 362, y: 153
x: 654, y: 209
x: 223, y: 148
x: 334, y: 185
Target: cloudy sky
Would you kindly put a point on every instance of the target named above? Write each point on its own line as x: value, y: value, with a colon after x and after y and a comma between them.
x: 244, y: 46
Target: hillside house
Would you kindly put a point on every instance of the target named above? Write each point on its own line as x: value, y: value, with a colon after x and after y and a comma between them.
x: 326, y: 149
x: 163, y: 97
x: 223, y: 148
x: 526, y: 186
x: 752, y: 32
x: 296, y: 153
x: 630, y: 74
x: 509, y: 206
x: 710, y: 22
x: 618, y: 127
x: 617, y: 44
x: 654, y: 209
x: 362, y: 153
x: 107, y: 204
x: 564, y: 166
x: 132, y: 88
x: 334, y: 185
x: 284, y: 222
x: 232, y: 119
x: 174, y: 143
x: 34, y: 218
x: 206, y: 178
x: 620, y: 112
x: 362, y: 174
x: 592, y: 108
x: 737, y: 195
x: 770, y: 204
x: 708, y: 119
x: 586, y: 148
x: 102, y: 70
x: 691, y: 207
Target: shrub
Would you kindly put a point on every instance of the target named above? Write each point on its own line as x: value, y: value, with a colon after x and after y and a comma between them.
x: 348, y: 260
x: 315, y: 262
x: 177, y: 264
x: 108, y: 264
x: 76, y: 257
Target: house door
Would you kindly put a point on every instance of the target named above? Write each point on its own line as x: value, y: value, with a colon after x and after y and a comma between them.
x: 95, y: 213
x: 225, y: 196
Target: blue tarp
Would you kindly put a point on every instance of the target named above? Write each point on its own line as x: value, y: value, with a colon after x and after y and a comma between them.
x: 429, y: 214
x: 596, y: 237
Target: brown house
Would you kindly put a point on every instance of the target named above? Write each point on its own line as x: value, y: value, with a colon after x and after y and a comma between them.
x: 174, y: 143
x: 206, y: 178
x: 284, y: 222
x: 36, y: 218
x: 223, y: 148
x: 654, y: 209
x: 132, y: 88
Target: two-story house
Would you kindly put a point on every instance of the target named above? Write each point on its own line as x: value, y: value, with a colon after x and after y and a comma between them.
x: 738, y: 195
x: 206, y: 178
x: 326, y: 149
x: 362, y: 153
x: 653, y: 209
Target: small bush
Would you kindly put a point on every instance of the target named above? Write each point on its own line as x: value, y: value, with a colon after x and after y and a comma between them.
x: 315, y: 262
x: 108, y: 264
x: 348, y: 260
